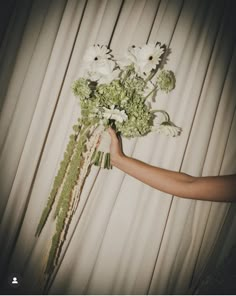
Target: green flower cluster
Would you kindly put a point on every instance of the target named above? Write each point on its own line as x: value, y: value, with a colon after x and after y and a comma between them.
x: 126, y: 95
x: 166, y: 80
x: 110, y: 94
x: 81, y: 88
x: 122, y: 94
x: 140, y: 119
x: 132, y: 82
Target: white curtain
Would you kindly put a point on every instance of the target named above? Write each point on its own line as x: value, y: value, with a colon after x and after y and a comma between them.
x: 126, y: 238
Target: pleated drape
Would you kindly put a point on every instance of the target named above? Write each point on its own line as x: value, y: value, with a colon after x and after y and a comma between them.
x: 126, y: 238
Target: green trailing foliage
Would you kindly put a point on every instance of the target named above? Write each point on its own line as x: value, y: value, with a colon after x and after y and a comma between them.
x: 64, y: 202
x: 59, y: 177
x: 74, y: 169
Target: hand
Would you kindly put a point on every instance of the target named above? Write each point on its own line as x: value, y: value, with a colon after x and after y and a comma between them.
x: 115, y: 147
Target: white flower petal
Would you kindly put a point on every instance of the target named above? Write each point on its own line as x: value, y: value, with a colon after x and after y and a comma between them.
x: 129, y: 58
x: 160, y: 117
x: 96, y: 53
x: 148, y: 57
x: 168, y: 130
x: 115, y: 114
x: 109, y: 77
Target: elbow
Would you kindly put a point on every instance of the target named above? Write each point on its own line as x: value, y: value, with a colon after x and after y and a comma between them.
x: 188, y: 188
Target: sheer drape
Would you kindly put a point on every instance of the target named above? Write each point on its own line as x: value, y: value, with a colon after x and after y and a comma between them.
x: 126, y: 238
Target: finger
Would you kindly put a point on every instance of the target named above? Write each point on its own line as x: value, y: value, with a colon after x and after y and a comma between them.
x: 112, y: 133
x: 98, y: 142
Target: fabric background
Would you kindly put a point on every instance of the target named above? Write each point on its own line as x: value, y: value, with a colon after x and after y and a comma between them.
x: 126, y: 238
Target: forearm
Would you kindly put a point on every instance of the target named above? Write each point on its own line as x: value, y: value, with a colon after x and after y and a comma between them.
x: 164, y: 180
x: 179, y: 184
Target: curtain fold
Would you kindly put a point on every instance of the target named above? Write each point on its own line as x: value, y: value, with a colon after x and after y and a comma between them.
x: 14, y: 17
x: 126, y: 237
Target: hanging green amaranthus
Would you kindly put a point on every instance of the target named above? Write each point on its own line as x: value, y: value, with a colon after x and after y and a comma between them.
x: 60, y: 177
x: 64, y: 202
x: 63, y: 187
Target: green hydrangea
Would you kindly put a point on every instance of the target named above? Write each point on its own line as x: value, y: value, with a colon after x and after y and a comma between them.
x: 111, y: 94
x: 132, y: 82
x: 140, y: 119
x: 136, y: 84
x: 81, y: 88
x: 166, y: 80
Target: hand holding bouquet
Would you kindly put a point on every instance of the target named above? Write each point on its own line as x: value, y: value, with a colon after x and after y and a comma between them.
x: 116, y: 92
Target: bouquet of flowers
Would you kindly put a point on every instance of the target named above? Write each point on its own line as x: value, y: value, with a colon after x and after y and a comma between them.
x: 113, y: 92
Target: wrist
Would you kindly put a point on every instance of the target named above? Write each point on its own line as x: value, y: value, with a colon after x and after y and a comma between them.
x: 118, y: 160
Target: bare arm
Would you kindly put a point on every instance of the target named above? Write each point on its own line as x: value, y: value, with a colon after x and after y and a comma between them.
x: 221, y: 188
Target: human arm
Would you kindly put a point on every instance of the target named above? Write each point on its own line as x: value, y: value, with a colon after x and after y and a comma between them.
x: 179, y: 184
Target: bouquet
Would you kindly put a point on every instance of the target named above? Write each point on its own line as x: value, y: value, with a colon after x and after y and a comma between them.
x: 116, y: 92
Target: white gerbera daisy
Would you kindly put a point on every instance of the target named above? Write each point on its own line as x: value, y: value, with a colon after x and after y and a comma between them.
x: 148, y: 57
x: 96, y: 53
x: 169, y: 129
x: 98, y: 65
x: 163, y: 125
x: 97, y: 62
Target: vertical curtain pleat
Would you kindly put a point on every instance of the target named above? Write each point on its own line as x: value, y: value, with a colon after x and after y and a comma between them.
x: 125, y: 238
x: 12, y: 30
x: 5, y: 15
x: 16, y: 174
x: 32, y: 64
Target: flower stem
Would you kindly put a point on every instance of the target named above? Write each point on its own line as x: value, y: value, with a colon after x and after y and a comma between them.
x: 154, y: 89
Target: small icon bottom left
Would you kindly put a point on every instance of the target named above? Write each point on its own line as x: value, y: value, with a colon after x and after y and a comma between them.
x: 14, y: 280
